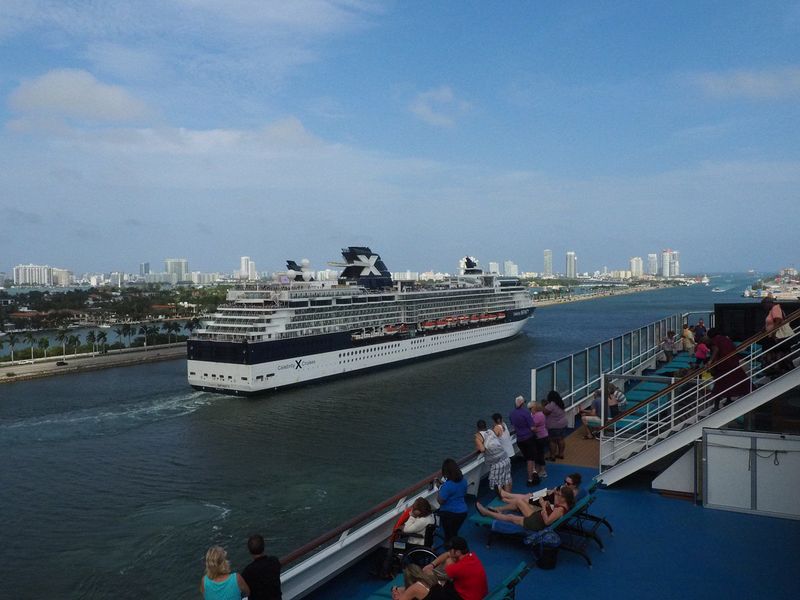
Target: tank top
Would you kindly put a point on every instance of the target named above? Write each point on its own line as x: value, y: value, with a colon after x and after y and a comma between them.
x: 221, y: 590
x: 493, y: 450
x: 505, y: 439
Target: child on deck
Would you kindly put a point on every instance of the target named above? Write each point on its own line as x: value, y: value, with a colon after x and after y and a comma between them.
x: 701, y: 353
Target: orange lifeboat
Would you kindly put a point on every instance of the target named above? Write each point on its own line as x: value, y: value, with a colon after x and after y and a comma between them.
x: 501, y: 315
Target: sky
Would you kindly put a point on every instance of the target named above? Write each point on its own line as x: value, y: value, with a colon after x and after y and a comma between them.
x: 428, y: 130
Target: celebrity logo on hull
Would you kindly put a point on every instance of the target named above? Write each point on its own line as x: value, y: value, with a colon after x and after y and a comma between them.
x: 299, y: 363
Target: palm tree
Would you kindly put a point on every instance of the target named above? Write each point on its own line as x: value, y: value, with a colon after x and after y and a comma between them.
x: 12, y: 340
x: 145, y: 331
x: 2, y: 343
x: 152, y: 331
x: 127, y: 330
x: 176, y: 328
x: 61, y: 336
x: 191, y: 325
x: 75, y: 342
x: 31, y: 339
x: 91, y: 338
x: 44, y: 344
x: 120, y: 332
x: 101, y: 340
x: 168, y: 328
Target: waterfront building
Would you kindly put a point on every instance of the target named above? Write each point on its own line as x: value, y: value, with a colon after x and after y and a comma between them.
x: 652, y: 264
x: 510, y: 269
x: 62, y: 277
x: 675, y: 264
x: 494, y: 267
x: 548, y: 263
x: 666, y: 260
x: 572, y: 265
x: 247, y: 269
x: 637, y: 266
x: 33, y: 275
x: 179, y: 267
x: 3, y: 277
x: 144, y: 269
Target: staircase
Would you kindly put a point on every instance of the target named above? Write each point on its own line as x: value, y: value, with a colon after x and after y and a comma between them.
x: 675, y: 417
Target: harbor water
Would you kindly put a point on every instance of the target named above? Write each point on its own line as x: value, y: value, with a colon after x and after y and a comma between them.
x: 117, y: 481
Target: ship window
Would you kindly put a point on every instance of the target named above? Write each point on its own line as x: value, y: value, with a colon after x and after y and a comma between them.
x: 244, y: 378
x: 191, y: 372
x: 205, y: 374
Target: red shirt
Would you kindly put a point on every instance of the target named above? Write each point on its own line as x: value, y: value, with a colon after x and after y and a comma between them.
x: 469, y: 577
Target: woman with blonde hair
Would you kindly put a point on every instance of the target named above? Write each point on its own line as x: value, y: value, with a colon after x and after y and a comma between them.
x: 219, y: 583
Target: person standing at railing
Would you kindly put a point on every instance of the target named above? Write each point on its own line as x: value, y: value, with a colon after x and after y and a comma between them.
x: 542, y: 438
x: 774, y: 351
x: 452, y: 504
x: 219, y: 583
x: 263, y: 574
x: 557, y: 423
x: 700, y: 330
x: 522, y: 421
x: 487, y: 442
x: 688, y: 339
x: 730, y: 380
x: 505, y: 435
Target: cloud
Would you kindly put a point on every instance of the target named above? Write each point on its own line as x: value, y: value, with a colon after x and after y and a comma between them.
x: 74, y: 93
x: 439, y: 107
x: 751, y: 84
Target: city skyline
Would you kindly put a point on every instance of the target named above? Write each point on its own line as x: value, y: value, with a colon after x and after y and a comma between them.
x: 292, y: 130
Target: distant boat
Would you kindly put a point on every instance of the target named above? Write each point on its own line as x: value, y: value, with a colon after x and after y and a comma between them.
x: 717, y: 290
x: 705, y: 280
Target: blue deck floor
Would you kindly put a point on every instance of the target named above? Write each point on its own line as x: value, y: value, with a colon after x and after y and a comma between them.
x: 661, y: 548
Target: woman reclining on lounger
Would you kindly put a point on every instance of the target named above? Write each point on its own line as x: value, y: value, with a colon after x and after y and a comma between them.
x: 572, y: 481
x: 532, y: 517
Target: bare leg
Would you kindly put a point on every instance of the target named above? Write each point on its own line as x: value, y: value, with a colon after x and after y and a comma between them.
x: 516, y: 519
x: 561, y: 446
x: 531, y: 469
x: 507, y: 496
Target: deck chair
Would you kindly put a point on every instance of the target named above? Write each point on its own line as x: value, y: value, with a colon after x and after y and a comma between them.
x: 506, y: 590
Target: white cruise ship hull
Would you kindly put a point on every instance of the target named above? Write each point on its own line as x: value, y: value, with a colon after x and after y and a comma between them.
x: 248, y: 379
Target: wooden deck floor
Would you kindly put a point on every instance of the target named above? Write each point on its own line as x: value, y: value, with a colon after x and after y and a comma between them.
x: 581, y: 452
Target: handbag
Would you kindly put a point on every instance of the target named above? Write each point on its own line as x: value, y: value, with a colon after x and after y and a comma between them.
x: 785, y: 330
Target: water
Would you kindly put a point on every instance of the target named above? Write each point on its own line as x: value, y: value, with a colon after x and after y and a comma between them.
x: 119, y: 480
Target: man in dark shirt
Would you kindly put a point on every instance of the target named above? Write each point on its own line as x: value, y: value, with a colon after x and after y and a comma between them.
x: 263, y: 575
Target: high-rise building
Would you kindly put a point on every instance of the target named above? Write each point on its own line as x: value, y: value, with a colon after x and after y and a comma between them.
x: 144, y: 268
x: 572, y: 265
x: 637, y: 266
x: 244, y: 267
x: 510, y: 269
x: 179, y: 267
x: 675, y: 264
x: 494, y: 267
x: 548, y: 263
x: 33, y: 275
x: 666, y: 260
x: 652, y: 264
x: 62, y: 277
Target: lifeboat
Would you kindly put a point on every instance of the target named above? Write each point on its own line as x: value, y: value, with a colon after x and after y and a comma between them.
x: 441, y: 323
x: 391, y: 329
x: 491, y: 317
x: 451, y: 321
x: 501, y: 315
x: 474, y: 319
x: 427, y: 325
x: 484, y: 318
x: 463, y: 320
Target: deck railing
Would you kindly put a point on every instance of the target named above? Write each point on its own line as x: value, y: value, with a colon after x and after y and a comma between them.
x: 578, y: 375
x: 689, y: 399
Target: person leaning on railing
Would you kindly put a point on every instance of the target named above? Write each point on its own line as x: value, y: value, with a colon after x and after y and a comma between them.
x: 452, y: 504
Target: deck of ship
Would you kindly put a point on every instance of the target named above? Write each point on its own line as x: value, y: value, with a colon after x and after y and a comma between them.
x: 662, y: 547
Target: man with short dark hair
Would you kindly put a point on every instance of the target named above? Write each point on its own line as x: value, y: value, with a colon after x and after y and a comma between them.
x: 263, y: 575
x: 464, y: 569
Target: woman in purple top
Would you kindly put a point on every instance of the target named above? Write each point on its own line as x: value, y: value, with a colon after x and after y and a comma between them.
x: 556, y: 423
x: 522, y: 420
x: 540, y: 431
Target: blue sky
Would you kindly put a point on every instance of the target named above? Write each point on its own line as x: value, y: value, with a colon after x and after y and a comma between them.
x: 428, y: 130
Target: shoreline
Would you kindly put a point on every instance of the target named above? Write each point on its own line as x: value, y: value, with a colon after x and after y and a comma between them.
x: 596, y: 295
x: 139, y: 356
x: 86, y: 362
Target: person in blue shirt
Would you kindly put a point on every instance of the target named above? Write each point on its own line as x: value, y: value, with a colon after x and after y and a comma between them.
x: 451, y: 498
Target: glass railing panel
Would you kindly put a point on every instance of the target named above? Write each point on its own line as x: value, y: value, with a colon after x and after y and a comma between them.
x: 545, y: 378
x: 605, y: 356
x: 564, y: 376
x: 580, y: 366
x: 616, y: 352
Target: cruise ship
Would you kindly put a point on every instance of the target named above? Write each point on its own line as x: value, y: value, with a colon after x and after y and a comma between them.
x: 294, y: 329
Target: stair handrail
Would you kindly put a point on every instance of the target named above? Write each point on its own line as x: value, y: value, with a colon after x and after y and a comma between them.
x: 757, y: 337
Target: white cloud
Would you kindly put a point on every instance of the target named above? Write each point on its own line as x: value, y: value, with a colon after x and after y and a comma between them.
x: 74, y: 93
x: 754, y: 84
x: 439, y: 107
